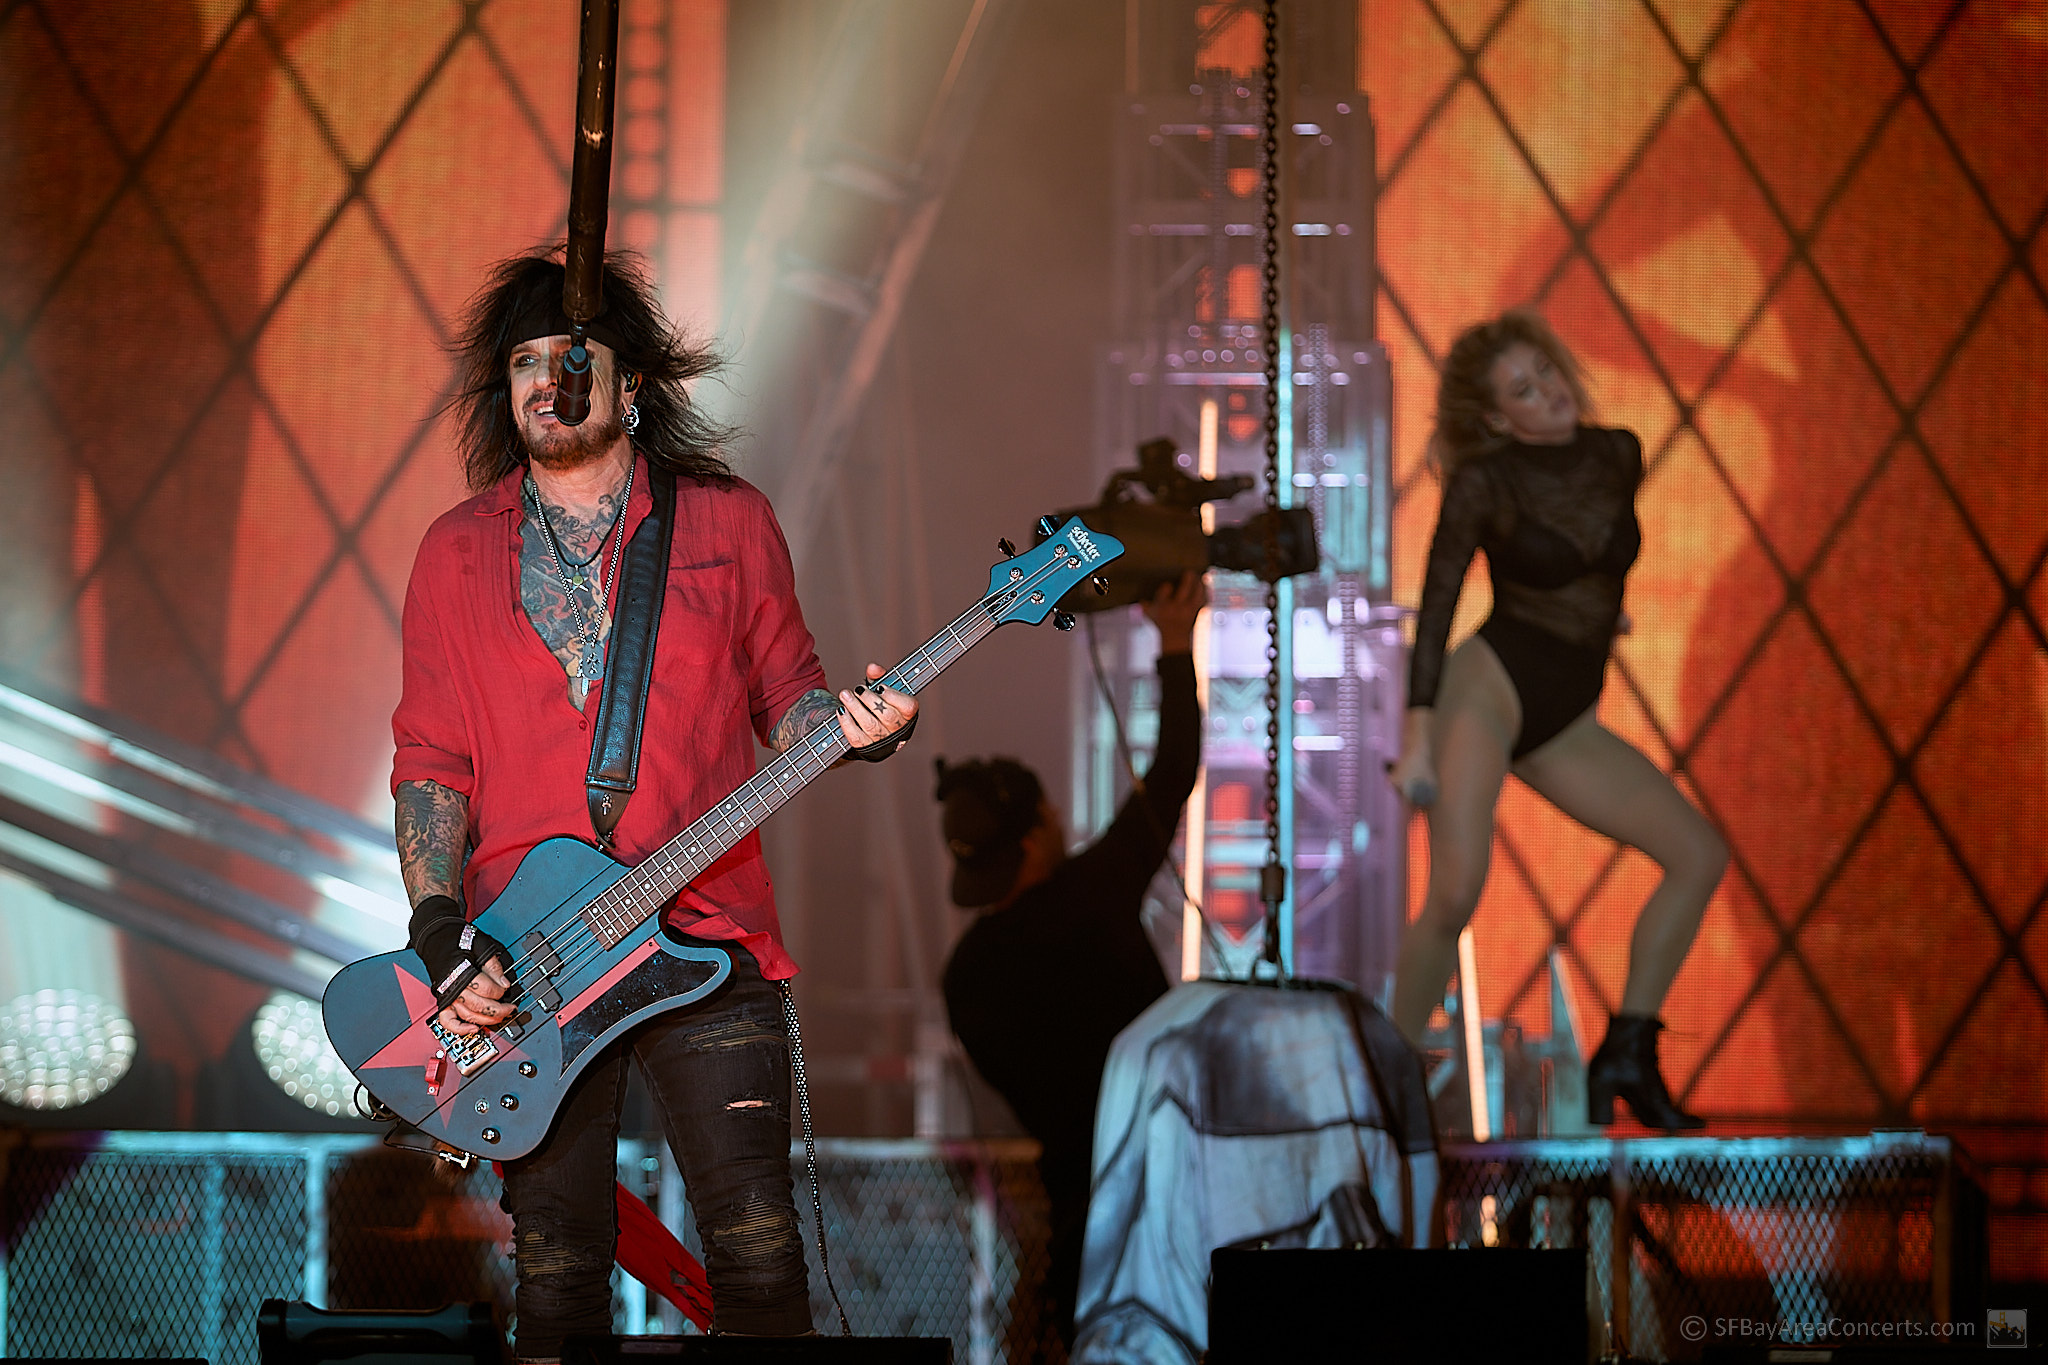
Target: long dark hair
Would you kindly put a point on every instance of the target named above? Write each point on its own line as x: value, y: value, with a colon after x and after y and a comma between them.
x: 673, y: 434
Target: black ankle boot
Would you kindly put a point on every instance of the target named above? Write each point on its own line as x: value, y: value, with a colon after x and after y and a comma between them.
x: 1626, y: 1065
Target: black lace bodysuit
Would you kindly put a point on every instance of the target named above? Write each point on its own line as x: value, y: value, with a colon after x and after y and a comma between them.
x: 1559, y: 528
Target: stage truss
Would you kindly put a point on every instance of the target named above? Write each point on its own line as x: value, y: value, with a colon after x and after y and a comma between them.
x: 1188, y: 366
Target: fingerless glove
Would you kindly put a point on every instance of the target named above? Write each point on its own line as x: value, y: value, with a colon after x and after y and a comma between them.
x: 453, y: 949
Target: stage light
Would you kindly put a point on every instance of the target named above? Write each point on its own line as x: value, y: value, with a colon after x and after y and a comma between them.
x: 62, y: 1048
x: 291, y: 1044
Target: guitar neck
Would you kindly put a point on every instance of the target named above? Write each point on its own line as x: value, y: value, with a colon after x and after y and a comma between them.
x: 651, y: 885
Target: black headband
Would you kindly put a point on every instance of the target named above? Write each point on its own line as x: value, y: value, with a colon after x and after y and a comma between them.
x: 544, y: 318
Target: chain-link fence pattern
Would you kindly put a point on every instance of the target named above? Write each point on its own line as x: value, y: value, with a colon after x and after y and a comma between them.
x: 404, y: 1230
x: 111, y: 1249
x: 164, y: 1244
x: 1885, y: 1228
x: 926, y: 1238
x: 154, y: 1244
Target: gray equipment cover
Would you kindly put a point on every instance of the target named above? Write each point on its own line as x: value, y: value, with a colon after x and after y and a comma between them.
x: 1237, y: 1115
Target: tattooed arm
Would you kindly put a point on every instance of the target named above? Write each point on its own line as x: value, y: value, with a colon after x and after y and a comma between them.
x: 802, y: 717
x: 864, y: 718
x: 433, y: 836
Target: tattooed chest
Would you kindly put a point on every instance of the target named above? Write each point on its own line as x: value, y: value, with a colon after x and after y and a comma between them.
x: 570, y: 617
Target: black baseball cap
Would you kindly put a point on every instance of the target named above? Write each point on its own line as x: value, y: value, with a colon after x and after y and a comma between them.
x: 991, y: 804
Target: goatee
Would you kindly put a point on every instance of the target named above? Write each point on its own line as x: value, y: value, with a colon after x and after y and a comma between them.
x: 573, y: 447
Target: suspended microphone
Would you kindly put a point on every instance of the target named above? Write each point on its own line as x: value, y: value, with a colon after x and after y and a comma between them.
x: 590, y: 183
x: 572, y: 389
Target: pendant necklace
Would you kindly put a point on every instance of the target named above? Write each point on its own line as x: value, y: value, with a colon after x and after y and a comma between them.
x: 590, y: 666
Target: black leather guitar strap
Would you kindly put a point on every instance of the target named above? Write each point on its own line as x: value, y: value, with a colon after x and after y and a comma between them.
x: 629, y: 661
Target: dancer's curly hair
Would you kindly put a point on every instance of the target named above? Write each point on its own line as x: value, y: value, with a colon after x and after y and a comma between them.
x: 1464, y: 393
x: 673, y: 433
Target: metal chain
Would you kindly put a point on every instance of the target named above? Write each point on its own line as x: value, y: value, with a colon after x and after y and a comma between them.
x: 1273, y: 877
x: 803, y: 1108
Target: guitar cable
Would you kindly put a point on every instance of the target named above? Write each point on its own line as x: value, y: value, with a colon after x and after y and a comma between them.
x: 803, y: 1107
x: 1123, y: 748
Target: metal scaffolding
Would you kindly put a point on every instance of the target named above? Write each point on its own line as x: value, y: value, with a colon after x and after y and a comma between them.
x: 1187, y: 367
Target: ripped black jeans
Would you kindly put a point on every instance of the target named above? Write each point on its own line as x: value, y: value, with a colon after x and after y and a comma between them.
x: 719, y: 1073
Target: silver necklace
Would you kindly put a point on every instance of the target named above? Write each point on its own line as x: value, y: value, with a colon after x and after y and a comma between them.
x: 589, y: 667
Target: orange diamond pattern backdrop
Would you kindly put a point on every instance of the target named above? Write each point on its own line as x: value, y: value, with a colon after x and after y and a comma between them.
x: 1798, y: 245
x: 236, y: 238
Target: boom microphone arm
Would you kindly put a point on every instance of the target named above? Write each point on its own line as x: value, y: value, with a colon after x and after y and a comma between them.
x: 590, y: 187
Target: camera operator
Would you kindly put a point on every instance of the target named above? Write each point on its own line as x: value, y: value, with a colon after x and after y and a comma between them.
x: 1057, y: 963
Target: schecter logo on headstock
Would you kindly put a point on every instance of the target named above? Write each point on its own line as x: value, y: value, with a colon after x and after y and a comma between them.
x: 1084, y: 542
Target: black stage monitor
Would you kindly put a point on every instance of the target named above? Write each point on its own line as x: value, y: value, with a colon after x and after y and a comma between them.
x: 293, y: 1333
x: 1396, y: 1307
x: 1926, y: 1352
x: 732, y: 1350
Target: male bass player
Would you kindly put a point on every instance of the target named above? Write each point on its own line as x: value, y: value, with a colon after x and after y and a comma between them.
x: 507, y: 619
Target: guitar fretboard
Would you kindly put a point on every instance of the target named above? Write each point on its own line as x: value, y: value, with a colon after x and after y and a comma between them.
x: 651, y: 885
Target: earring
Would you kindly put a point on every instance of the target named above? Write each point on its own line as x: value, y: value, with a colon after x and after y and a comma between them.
x: 631, y: 421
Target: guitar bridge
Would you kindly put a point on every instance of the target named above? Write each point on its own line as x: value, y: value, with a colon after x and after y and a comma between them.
x: 470, y: 1052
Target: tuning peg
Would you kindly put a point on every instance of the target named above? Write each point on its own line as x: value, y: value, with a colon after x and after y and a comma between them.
x: 1009, y: 550
x: 1063, y: 620
x: 1100, y: 584
x: 1046, y: 526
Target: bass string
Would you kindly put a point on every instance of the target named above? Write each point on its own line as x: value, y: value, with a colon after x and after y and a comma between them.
x: 576, y: 943
x: 705, y: 830
x: 819, y: 745
x: 977, y: 621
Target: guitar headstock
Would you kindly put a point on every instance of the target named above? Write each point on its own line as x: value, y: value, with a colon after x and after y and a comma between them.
x: 1026, y: 587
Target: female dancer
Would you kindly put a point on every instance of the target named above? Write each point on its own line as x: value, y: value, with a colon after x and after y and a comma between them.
x: 1552, y: 502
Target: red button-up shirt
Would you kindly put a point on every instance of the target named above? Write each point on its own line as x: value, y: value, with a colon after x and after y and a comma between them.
x: 485, y: 709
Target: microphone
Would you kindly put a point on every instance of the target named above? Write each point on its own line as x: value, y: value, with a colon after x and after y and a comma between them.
x: 590, y: 178
x: 572, y: 390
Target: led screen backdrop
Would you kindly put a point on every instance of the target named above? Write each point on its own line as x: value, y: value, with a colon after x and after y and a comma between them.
x: 235, y: 239
x: 1798, y: 246
x: 1797, y: 243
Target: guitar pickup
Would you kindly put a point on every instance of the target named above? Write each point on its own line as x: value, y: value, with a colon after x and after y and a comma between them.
x: 540, y: 955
